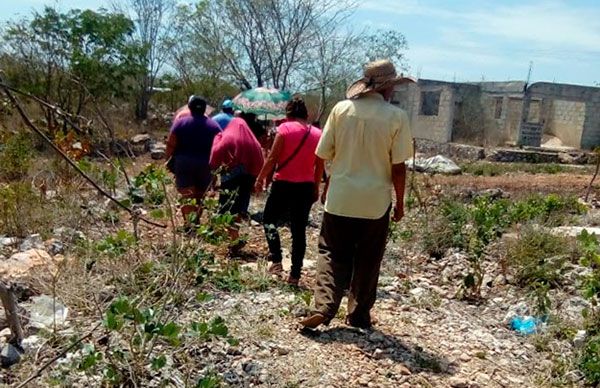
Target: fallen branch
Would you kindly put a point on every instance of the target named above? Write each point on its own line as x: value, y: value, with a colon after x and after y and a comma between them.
x: 58, y: 356
x: 32, y: 126
x: 110, y: 130
x: 67, y: 117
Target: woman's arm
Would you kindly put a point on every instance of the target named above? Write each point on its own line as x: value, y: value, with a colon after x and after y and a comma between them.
x: 270, y: 164
x: 319, y: 168
x: 171, y: 144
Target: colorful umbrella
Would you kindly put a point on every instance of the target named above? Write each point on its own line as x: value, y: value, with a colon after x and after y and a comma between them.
x: 267, y: 102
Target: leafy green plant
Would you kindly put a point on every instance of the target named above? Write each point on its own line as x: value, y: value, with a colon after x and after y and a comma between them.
x: 209, y: 381
x: 15, y: 156
x: 487, y: 222
x: 148, y: 186
x: 473, y: 226
x: 91, y: 357
x: 589, y: 361
x: 215, y: 230
x: 228, y: 278
x: 215, y: 328
x: 21, y: 211
x: 590, y: 284
x: 198, y: 263
x: 548, y: 209
x: 538, y: 257
x: 116, y: 244
x: 541, y: 299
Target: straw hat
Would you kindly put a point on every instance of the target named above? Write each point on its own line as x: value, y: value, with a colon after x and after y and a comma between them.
x: 377, y: 75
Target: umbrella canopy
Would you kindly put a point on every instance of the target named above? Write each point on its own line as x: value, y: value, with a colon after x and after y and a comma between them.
x: 266, y: 102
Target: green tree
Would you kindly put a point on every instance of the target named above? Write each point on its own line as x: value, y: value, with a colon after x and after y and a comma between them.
x: 154, y: 34
x: 65, y: 57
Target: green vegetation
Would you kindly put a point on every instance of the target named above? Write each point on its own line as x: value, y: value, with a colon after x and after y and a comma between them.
x: 141, y: 330
x: 589, y: 362
x: 497, y: 169
x: 16, y: 153
x: 591, y: 283
x: 472, y: 226
x: 19, y: 210
x: 117, y: 244
x: 538, y: 257
x: 75, y: 52
x: 149, y: 186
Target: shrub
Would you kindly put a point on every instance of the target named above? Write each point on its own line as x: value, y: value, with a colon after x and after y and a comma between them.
x: 590, y: 284
x: 21, y: 211
x: 148, y: 186
x: 496, y: 169
x: 473, y: 226
x: 439, y: 236
x: 117, y: 244
x: 538, y: 257
x: 589, y: 362
x: 15, y: 156
x: 547, y: 209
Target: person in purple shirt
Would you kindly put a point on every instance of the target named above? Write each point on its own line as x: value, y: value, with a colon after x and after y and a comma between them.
x: 188, y: 146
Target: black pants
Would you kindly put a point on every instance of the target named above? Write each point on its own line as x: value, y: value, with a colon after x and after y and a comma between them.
x: 297, y: 199
x: 235, y: 195
x: 350, y: 254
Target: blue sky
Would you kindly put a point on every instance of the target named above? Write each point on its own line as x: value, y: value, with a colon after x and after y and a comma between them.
x: 468, y: 40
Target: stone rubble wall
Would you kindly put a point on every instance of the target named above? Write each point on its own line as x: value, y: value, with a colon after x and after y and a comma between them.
x: 464, y: 152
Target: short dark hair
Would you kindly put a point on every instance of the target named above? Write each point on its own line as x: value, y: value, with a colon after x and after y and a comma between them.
x: 228, y: 110
x: 296, y: 108
x: 197, y: 105
x: 255, y: 126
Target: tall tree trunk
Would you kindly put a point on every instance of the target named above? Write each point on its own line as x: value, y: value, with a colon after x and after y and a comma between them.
x: 141, y: 109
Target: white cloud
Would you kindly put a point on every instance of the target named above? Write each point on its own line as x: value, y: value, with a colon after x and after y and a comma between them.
x: 467, y: 37
x: 543, y: 23
x: 553, y: 24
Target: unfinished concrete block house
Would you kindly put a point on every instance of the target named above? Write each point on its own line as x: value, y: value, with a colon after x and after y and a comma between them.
x: 499, y: 113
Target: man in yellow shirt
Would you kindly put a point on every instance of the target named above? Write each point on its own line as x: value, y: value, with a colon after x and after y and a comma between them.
x: 367, y: 140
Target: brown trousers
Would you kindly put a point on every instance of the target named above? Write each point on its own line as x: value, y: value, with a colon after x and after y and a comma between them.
x: 350, y: 254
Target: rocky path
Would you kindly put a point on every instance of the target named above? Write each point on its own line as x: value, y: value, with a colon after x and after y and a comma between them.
x: 424, y: 336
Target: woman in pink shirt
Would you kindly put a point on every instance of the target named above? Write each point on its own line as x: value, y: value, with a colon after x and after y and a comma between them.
x: 295, y: 184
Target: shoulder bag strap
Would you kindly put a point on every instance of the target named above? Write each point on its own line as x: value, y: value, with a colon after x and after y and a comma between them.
x: 281, y: 165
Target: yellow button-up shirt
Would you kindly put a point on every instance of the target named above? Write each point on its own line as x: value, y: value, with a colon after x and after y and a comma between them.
x: 363, y: 138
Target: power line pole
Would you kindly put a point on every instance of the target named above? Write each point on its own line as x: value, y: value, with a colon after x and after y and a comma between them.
x: 529, y: 72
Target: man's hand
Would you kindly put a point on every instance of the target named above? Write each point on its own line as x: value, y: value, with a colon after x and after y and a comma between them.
x: 323, y: 197
x: 212, y: 193
x: 315, y: 193
x: 398, y: 212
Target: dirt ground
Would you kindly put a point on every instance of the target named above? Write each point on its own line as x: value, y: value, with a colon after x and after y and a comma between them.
x: 575, y: 184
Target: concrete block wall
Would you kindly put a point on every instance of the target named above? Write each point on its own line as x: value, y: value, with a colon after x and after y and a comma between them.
x: 437, y: 128
x: 590, y: 137
x: 572, y: 104
x: 566, y: 120
x: 495, y: 127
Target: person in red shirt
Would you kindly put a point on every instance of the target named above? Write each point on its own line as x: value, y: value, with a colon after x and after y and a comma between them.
x: 238, y: 154
x: 295, y: 184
